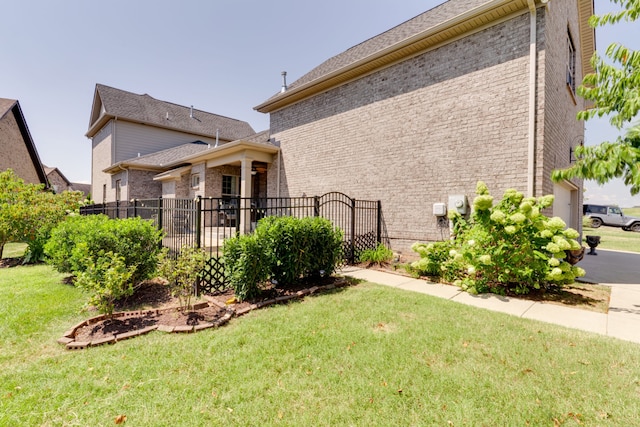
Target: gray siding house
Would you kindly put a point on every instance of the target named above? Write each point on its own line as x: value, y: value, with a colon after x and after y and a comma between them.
x: 469, y: 90
x: 146, y: 148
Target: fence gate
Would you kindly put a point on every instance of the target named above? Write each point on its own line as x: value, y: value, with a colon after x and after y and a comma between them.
x: 360, y: 220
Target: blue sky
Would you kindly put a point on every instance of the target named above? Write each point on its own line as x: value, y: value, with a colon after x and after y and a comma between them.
x: 222, y: 56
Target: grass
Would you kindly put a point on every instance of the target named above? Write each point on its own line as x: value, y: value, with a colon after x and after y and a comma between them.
x: 365, y: 355
x: 614, y: 238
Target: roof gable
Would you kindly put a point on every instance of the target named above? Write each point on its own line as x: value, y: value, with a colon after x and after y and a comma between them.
x: 12, y: 106
x: 109, y: 103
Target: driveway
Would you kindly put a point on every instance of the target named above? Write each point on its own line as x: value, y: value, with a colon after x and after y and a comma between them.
x: 611, y: 267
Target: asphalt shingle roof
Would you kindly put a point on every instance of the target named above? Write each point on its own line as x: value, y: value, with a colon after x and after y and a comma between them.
x: 148, y: 110
x: 413, y: 26
x: 170, y: 155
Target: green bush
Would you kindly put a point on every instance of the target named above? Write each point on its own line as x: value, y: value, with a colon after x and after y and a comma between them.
x: 88, y: 237
x: 107, y: 278
x: 283, y: 249
x: 507, y: 247
x: 246, y: 265
x: 378, y: 256
x: 182, y: 272
x: 298, y: 248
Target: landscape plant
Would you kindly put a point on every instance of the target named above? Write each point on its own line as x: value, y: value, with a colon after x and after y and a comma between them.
x: 613, y: 90
x: 246, y: 265
x: 182, y: 271
x: 107, y: 278
x: 80, y: 238
x: 28, y: 213
x: 284, y: 250
x: 379, y: 256
x: 509, y: 247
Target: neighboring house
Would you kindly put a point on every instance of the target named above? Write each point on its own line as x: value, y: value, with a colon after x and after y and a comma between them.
x: 59, y: 183
x: 469, y: 90
x: 147, y: 148
x: 17, y: 150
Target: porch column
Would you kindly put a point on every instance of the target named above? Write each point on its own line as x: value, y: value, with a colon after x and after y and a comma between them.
x: 245, y: 194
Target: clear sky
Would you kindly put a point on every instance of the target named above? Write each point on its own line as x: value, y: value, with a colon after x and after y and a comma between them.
x: 222, y: 56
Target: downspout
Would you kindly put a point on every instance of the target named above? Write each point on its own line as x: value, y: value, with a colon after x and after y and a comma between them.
x: 531, y: 135
x: 278, y: 180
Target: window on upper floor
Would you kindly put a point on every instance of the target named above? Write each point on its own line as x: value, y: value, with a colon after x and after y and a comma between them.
x: 571, y: 63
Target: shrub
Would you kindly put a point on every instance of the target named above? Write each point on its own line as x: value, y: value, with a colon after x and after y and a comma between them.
x: 298, y: 248
x: 182, y: 272
x: 283, y: 249
x: 379, y: 256
x: 509, y: 246
x: 82, y: 237
x: 246, y: 265
x: 107, y: 278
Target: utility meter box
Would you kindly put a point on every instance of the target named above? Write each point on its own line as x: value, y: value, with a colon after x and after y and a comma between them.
x: 459, y: 203
x: 439, y: 209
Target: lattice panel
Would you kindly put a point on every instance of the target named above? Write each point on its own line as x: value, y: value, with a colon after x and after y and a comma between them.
x: 213, y: 279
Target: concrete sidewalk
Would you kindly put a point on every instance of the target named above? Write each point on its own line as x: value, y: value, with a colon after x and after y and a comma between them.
x: 622, y: 321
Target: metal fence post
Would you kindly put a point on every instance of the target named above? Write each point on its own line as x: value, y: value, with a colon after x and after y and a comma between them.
x: 238, y: 211
x: 135, y: 207
x: 353, y: 231
x: 198, y: 221
x: 316, y: 206
x: 160, y: 213
x: 379, y: 225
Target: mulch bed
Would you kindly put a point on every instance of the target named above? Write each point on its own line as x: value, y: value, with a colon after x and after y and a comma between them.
x: 153, y: 308
x: 10, y: 262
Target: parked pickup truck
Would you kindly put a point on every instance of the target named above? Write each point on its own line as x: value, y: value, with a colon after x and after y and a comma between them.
x: 611, y: 216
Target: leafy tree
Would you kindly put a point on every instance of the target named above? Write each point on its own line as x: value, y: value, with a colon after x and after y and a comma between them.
x: 28, y: 213
x: 614, y: 88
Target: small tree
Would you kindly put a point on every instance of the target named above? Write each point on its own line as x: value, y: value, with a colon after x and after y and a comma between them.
x: 28, y: 213
x: 182, y: 272
x: 107, y: 278
x: 614, y: 89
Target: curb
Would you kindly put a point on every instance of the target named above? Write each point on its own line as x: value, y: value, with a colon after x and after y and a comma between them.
x: 68, y: 338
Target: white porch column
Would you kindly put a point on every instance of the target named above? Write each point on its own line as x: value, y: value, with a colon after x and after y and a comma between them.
x: 245, y: 194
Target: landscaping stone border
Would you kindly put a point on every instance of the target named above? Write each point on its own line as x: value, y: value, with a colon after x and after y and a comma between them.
x: 68, y: 338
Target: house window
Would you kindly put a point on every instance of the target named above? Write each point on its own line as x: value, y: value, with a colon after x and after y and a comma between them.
x: 230, y: 186
x: 118, y: 190
x: 195, y: 180
x: 571, y: 63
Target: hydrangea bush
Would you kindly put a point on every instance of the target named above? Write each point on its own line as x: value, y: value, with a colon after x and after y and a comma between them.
x: 511, y: 247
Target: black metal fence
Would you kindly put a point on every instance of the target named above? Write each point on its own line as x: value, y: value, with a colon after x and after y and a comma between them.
x: 208, y: 222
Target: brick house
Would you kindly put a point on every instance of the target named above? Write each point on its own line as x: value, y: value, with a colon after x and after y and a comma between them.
x: 146, y: 148
x: 59, y: 183
x: 469, y: 90
x: 17, y: 149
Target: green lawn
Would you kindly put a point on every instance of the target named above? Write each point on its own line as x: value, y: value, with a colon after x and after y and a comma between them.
x: 614, y: 238
x: 365, y: 355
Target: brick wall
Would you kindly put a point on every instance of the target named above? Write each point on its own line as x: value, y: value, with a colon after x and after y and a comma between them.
x: 415, y: 133
x: 13, y: 151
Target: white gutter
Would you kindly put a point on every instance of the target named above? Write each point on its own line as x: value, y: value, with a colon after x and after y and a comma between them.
x: 531, y: 134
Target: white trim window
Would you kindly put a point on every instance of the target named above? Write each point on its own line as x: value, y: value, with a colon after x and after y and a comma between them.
x: 195, y: 181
